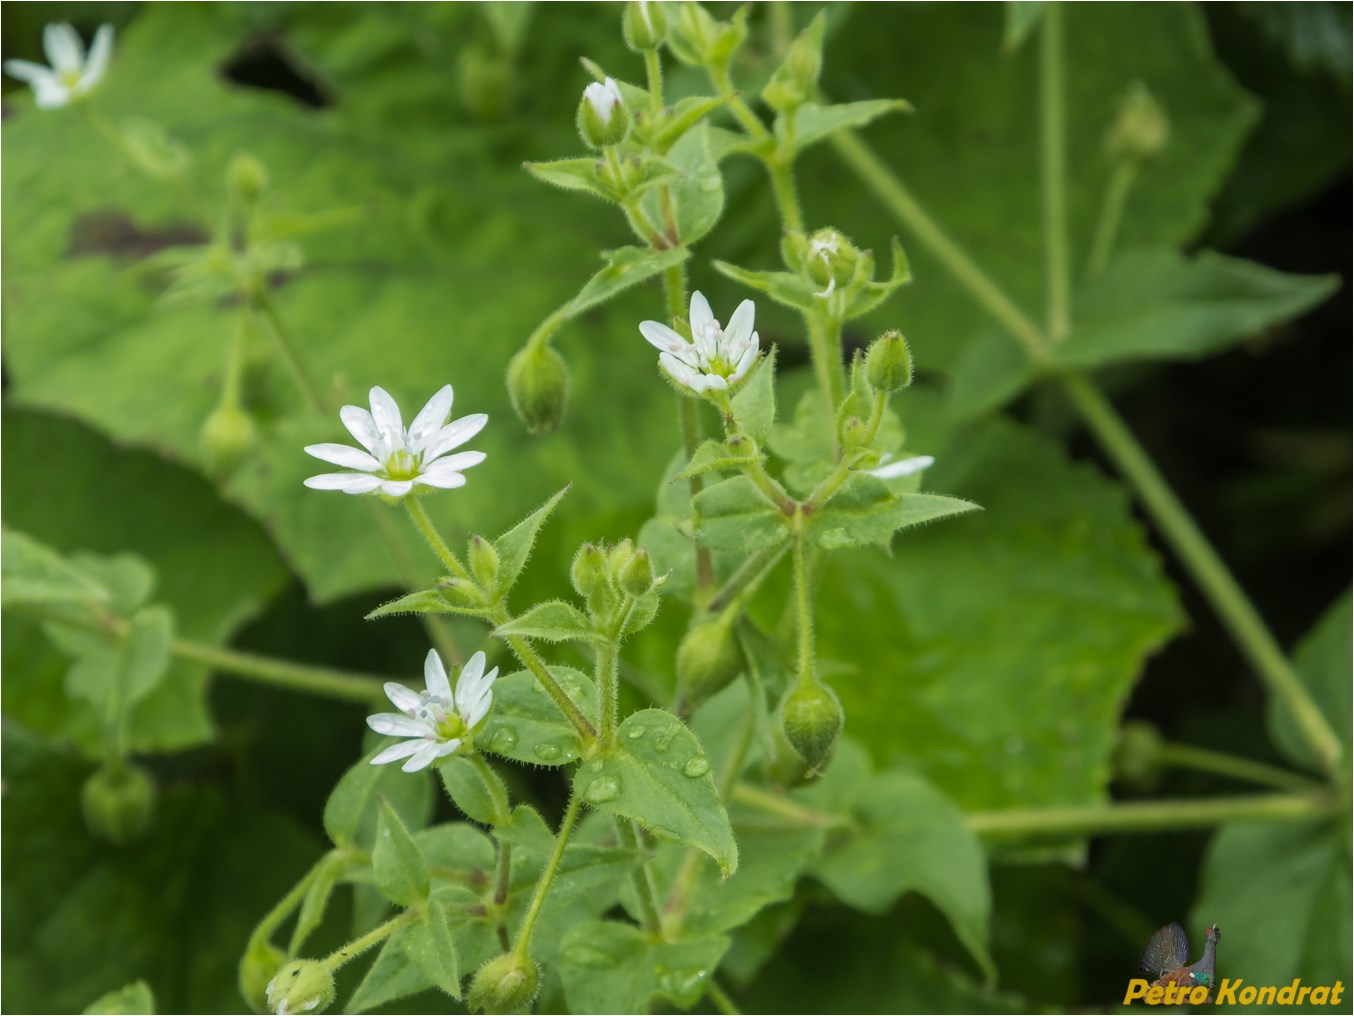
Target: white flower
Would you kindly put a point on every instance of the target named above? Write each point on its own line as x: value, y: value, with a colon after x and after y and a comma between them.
x: 903, y: 467
x: 396, y: 459
x: 716, y: 358
x: 604, y: 96
x: 72, y: 73
x: 435, y: 722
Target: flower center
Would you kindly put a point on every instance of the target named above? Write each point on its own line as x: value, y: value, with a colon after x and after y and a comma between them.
x: 402, y: 466
x: 69, y: 78
x: 447, y: 724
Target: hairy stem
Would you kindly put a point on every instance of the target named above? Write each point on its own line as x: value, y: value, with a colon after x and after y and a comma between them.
x: 313, y: 680
x: 566, y: 830
x: 376, y: 936
x: 805, y: 609
x: 499, y: 616
x: 607, y: 652
x: 642, y: 877
x: 287, y: 349
x: 439, y: 546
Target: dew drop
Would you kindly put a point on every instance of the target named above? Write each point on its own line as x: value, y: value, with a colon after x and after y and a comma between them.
x: 696, y: 767
x: 635, y: 731
x: 547, y: 751
x: 664, y: 740
x: 602, y: 789
x: 595, y: 765
x: 504, y: 740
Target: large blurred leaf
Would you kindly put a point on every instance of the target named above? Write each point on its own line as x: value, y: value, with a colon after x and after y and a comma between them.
x: 1322, y: 661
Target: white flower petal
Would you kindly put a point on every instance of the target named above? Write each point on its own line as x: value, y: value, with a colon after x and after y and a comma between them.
x: 442, y: 479
x: 740, y: 327
x: 349, y: 483
x: 430, y: 419
x: 435, y: 677
x: 454, y: 434
x: 422, y: 758
x: 27, y: 70
x: 903, y: 467
x: 385, y: 414
x: 663, y: 338
x: 65, y: 51
x: 715, y: 381
x: 363, y: 428
x: 50, y: 93
x: 470, y: 675
x: 681, y: 372
x: 397, y: 751
x: 343, y: 455
x: 97, y: 61
x: 397, y: 488
x: 399, y: 725
x: 475, y: 706
x: 457, y: 462
x: 702, y: 318
x: 445, y: 748
x: 405, y: 699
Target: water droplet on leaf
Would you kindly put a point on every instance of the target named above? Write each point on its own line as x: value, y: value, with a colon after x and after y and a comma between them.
x: 547, y: 752
x: 602, y: 789
x: 696, y: 767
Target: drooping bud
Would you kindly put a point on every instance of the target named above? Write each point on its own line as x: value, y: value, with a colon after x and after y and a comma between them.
x: 588, y: 569
x: 811, y: 717
x: 302, y: 986
x: 1141, y: 128
x: 538, y: 385
x: 227, y: 436
x: 1138, y: 757
x: 602, y: 117
x: 118, y: 802
x: 888, y: 365
x: 644, y: 24
x: 258, y: 966
x: 708, y: 660
x: 505, y: 984
x: 483, y: 562
x: 246, y: 177
x: 636, y: 577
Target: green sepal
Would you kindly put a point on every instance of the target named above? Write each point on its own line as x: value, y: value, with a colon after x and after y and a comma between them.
x: 553, y: 620
x: 514, y: 546
x: 734, y: 515
x: 625, y: 267
x: 428, y: 942
x: 802, y: 293
x: 864, y: 511
x: 717, y: 455
x: 396, y: 860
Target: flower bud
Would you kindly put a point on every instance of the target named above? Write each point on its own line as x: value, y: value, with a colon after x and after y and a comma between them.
x: 708, y: 660
x: 1138, y: 760
x: 618, y: 557
x: 505, y: 984
x: 888, y: 365
x: 227, y: 436
x: 538, y: 385
x: 484, y: 562
x: 812, y: 718
x: 118, y: 802
x: 644, y: 24
x: 302, y: 986
x: 1141, y: 128
x: 588, y: 569
x: 830, y: 258
x: 246, y: 177
x: 795, y: 81
x: 636, y: 577
x: 602, y: 117
x: 258, y: 966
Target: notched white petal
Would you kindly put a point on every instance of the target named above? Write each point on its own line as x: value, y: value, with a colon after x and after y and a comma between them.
x: 398, y: 725
x: 397, y: 751
x: 343, y: 455
x: 435, y: 676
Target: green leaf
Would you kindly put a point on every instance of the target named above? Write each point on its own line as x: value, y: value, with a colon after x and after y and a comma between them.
x: 514, y: 546
x: 554, y: 621
x: 526, y: 726
x: 864, y: 510
x: 684, y: 115
x: 424, y: 601
x: 135, y: 998
x: 429, y: 944
x: 116, y: 675
x: 786, y: 288
x: 470, y: 791
x: 394, y: 975
x: 1322, y: 661
x: 992, y: 370
x: 352, y: 811
x: 657, y: 774
x: 813, y: 122
x: 734, y: 515
x: 873, y: 293
x: 607, y: 966
x: 572, y: 174
x: 754, y: 406
x: 1156, y: 304
x: 316, y: 901
x: 401, y: 871
x: 34, y: 574
x: 913, y: 839
x: 715, y: 455
x: 807, y: 444
x: 625, y: 267
x: 1022, y: 17
x: 699, y: 194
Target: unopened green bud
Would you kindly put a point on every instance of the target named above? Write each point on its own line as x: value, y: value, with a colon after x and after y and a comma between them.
x: 505, y: 984
x: 830, y: 258
x: 811, y: 717
x: 538, y: 385
x: 794, y: 250
x: 258, y: 966
x: 644, y: 24
x: 302, y: 986
x: 1141, y: 128
x: 795, y: 81
x: 603, y: 119
x: 483, y: 562
x: 708, y: 660
x: 227, y: 436
x: 589, y: 569
x: 247, y: 177
x: 1138, y: 757
x: 118, y: 802
x: 618, y: 557
x: 636, y: 577
x: 888, y: 365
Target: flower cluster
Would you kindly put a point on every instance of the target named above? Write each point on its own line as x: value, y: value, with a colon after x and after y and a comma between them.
x: 72, y: 73
x: 436, y: 722
x: 716, y: 358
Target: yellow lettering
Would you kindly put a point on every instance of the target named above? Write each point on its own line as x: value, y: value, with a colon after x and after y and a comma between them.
x: 1247, y: 995
x: 1137, y: 987
x: 1198, y: 995
x: 1227, y: 991
x: 1265, y: 996
x: 1304, y: 991
x: 1154, y: 994
x: 1335, y: 992
x: 1289, y: 992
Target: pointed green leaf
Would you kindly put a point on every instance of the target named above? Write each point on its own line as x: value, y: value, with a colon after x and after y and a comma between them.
x: 393, y: 975
x: 625, y: 267
x: 734, y: 515
x: 607, y: 966
x: 864, y: 511
x: 471, y: 790
x: 873, y: 293
x: 1322, y: 661
x: 32, y: 573
x: 425, y: 601
x: 699, y: 194
x: 572, y: 174
x: 785, y: 288
x: 657, y: 774
x: 114, y: 676
x: 514, y: 546
x: 429, y: 944
x: 401, y: 872
x: 350, y: 814
x: 685, y: 114
x: 526, y: 726
x: 715, y: 455
x: 553, y: 620
x: 754, y: 406
x: 813, y: 123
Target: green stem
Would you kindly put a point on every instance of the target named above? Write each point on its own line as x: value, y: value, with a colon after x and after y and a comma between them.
x: 288, y: 350
x: 782, y: 173
x: 825, y: 345
x: 336, y: 684
x: 783, y: 807
x: 1217, y: 583
x: 548, y: 327
x: 720, y: 998
x: 566, y: 829
x: 263, y: 931
x: 1187, y: 756
x: 741, y: 111
x: 494, y: 785
x: 645, y: 894
x: 376, y: 936
x: 1111, y: 211
x: 498, y: 617
x: 1053, y: 165
x: 744, y: 583
x: 444, y: 553
x: 653, y: 72
x: 805, y: 608
x: 607, y: 652
x: 437, y: 627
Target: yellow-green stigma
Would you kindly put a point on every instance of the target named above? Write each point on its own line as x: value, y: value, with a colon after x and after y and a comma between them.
x: 402, y: 466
